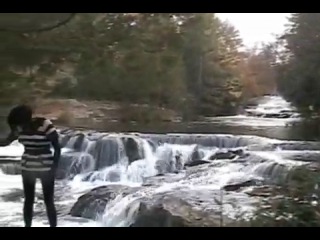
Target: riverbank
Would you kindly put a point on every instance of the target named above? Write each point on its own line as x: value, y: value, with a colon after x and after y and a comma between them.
x: 75, y: 112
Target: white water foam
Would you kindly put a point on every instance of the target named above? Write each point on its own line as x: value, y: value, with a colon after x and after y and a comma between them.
x: 14, y: 150
x: 122, y: 210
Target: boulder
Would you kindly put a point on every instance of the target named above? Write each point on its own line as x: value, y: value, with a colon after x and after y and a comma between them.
x: 237, y: 186
x: 197, y: 162
x: 93, y: 203
x: 170, y: 213
x: 177, y: 207
x: 195, y: 154
x: 263, y: 191
x: 162, y: 179
x: 228, y: 154
x: 106, y: 151
x: 182, y: 208
x: 79, y: 142
x: 223, y: 155
x: 132, y: 149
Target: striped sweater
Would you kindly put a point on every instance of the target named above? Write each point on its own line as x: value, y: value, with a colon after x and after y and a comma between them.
x: 38, y: 155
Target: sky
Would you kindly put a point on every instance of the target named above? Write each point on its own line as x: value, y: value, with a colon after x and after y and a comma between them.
x: 256, y: 27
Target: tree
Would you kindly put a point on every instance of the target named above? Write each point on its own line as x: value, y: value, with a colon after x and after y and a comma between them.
x: 210, y: 47
x: 33, y: 22
x: 172, y: 60
x: 257, y: 70
x: 299, y: 74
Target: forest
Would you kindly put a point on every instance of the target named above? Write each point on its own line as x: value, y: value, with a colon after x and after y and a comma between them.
x: 189, y: 62
x: 193, y: 63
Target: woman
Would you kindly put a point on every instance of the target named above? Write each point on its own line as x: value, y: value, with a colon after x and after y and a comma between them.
x: 37, y: 135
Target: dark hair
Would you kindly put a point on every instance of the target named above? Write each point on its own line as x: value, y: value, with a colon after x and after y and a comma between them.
x: 19, y: 116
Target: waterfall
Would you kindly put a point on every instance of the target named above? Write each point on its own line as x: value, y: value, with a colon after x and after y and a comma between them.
x: 194, y: 168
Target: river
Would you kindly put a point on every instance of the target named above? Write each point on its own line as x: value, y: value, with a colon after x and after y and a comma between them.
x: 159, y: 160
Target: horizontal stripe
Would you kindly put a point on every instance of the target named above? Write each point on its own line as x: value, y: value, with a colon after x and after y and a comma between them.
x: 45, y: 161
x: 38, y: 164
x: 36, y: 169
x: 31, y: 159
x: 33, y: 164
x: 33, y: 137
x: 43, y: 153
x: 33, y: 140
x: 38, y: 152
x: 35, y: 144
x: 37, y: 156
x: 36, y: 148
x: 32, y: 133
x: 48, y: 162
x: 36, y: 160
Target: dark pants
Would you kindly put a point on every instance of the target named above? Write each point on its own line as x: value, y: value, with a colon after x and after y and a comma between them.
x: 29, y: 183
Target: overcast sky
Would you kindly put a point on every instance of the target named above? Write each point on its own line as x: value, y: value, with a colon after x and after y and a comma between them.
x: 256, y: 27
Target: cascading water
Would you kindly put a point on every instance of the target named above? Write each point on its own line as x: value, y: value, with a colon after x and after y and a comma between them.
x: 189, y: 166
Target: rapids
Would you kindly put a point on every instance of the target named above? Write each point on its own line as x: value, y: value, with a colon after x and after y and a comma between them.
x: 189, y: 165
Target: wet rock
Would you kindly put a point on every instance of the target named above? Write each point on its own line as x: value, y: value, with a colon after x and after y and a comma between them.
x: 66, y: 131
x: 64, y: 140
x: 114, y: 176
x: 287, y: 145
x: 109, y: 176
x: 132, y: 150
x: 264, y: 191
x: 158, y: 216
x: 182, y: 208
x: 197, y: 162
x: 223, y: 155
x: 195, y: 154
x: 73, y: 163
x: 87, y: 177
x: 228, y: 154
x: 281, y: 114
x: 305, y: 156
x: 206, y: 140
x: 153, y: 145
x: 93, y: 203
x: 79, y: 142
x: 179, y: 165
x: 239, y: 152
x: 167, y: 162
x: 269, y: 192
x: 106, y: 152
x: 237, y: 186
x: 165, y: 166
x: 161, y: 179
x: 314, y: 167
x: 11, y: 168
x: 171, y: 212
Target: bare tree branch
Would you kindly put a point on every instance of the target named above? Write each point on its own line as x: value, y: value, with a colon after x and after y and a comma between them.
x: 40, y: 29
